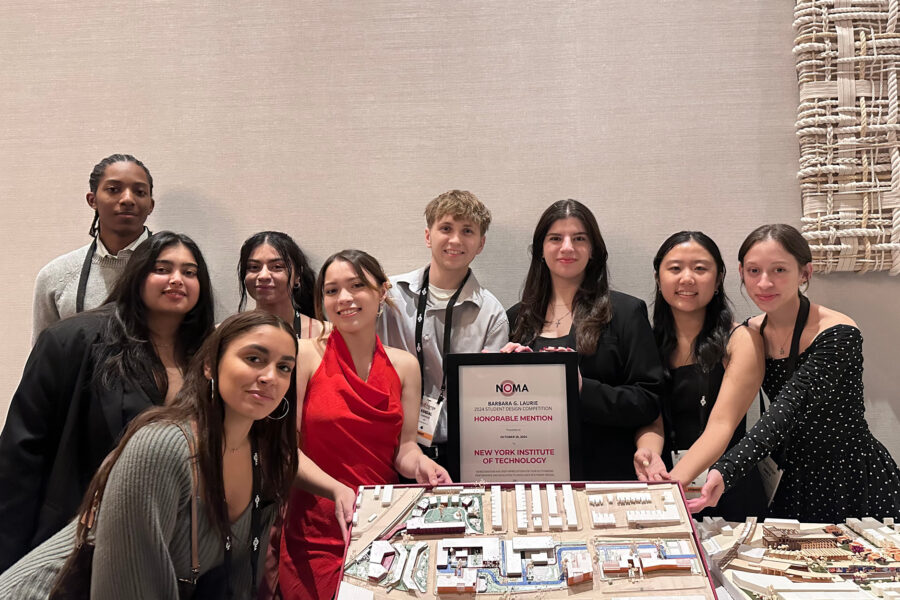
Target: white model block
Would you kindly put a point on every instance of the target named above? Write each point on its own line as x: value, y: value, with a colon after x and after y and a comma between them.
x: 668, y: 497
x: 602, y: 519
x: 454, y: 499
x: 388, y: 495
x: 569, y: 506
x: 727, y: 530
x: 595, y: 499
x: 513, y: 560
x: 751, y: 554
x: 496, y: 507
x: 348, y: 591
x: 552, y: 508
x: 615, y: 486
x: 533, y: 543
x: 538, y: 522
x: 555, y: 522
x: 521, y: 505
x: 355, y: 517
x: 445, y: 500
x: 377, y: 492
x: 536, y: 500
x: 521, y: 520
x: 359, y: 497
x: 653, y: 518
x: 888, y: 521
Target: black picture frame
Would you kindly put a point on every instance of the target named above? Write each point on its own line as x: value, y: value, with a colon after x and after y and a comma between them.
x: 456, y: 362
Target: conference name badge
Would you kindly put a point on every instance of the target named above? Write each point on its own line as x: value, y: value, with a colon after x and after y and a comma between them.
x: 429, y: 415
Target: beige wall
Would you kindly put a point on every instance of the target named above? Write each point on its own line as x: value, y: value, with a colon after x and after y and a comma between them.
x: 337, y: 121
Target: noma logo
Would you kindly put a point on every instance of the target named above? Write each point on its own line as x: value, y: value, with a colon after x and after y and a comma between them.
x: 508, y: 388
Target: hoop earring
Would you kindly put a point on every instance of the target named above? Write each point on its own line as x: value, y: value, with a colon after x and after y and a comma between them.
x: 287, y: 409
x: 804, y: 285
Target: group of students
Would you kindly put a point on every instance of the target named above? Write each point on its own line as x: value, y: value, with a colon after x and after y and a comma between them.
x: 223, y: 461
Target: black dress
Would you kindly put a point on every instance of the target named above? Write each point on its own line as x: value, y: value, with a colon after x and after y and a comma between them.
x: 688, y: 401
x: 834, y: 468
x: 622, y: 380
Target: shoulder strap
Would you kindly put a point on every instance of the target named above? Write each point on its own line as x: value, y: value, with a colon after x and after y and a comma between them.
x: 195, y: 494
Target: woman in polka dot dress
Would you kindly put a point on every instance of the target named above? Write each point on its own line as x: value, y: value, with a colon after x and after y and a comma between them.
x: 815, y: 428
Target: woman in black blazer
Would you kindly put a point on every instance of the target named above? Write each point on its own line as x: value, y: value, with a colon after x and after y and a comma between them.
x: 567, y: 305
x: 88, y: 376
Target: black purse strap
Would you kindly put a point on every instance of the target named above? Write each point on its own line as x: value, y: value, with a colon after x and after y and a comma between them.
x: 195, y: 494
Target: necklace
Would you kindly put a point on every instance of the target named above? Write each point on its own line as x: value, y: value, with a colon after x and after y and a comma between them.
x: 781, y: 351
x: 238, y: 447
x: 558, y: 321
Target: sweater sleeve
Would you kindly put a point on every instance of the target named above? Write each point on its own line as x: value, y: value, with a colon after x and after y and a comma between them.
x: 148, y: 486
x: 44, y: 310
x: 827, y: 360
x: 635, y: 401
x: 31, y: 436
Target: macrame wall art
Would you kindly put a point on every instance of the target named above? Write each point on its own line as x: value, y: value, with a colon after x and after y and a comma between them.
x: 848, y: 55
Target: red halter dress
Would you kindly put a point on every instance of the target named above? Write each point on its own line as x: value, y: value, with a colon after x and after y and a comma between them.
x: 350, y: 428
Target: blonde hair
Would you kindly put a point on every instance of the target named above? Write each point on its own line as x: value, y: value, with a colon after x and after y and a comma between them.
x: 459, y: 204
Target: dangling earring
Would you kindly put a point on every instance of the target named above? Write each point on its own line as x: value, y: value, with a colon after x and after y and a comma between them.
x: 380, y: 309
x: 212, y: 388
x: 287, y: 409
x: 804, y: 285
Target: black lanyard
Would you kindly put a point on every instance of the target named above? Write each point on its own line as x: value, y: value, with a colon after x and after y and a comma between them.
x: 793, y: 357
x: 83, y: 279
x: 85, y: 273
x: 297, y: 324
x: 448, y: 321
x: 255, y: 530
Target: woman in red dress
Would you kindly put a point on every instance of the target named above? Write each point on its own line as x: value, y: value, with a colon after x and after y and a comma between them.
x: 357, y: 420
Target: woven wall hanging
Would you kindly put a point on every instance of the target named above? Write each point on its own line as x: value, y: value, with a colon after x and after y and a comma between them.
x: 848, y: 54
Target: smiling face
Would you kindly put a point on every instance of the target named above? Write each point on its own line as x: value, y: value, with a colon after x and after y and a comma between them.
x: 454, y: 244
x: 567, y: 249
x: 688, y: 277
x: 254, y: 373
x: 772, y: 275
x: 269, y: 279
x: 350, y: 303
x: 122, y: 199
x: 172, y: 287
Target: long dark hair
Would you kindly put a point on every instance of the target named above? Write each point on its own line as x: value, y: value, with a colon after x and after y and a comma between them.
x: 126, y: 349
x: 277, y: 439
x: 592, y: 310
x: 97, y: 175
x: 292, y: 255
x: 709, y: 347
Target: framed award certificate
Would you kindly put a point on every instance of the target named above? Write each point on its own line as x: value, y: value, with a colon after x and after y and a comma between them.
x: 513, y: 417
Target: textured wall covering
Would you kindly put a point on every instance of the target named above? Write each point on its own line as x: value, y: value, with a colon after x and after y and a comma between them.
x: 848, y: 53
x: 338, y: 120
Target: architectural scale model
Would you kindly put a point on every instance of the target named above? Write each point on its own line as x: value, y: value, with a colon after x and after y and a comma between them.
x: 616, y: 540
x: 788, y: 560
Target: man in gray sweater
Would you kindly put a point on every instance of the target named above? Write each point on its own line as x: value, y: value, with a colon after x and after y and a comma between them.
x: 122, y: 198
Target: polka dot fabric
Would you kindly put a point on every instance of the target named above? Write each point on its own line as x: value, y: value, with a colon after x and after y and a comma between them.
x: 834, y: 468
